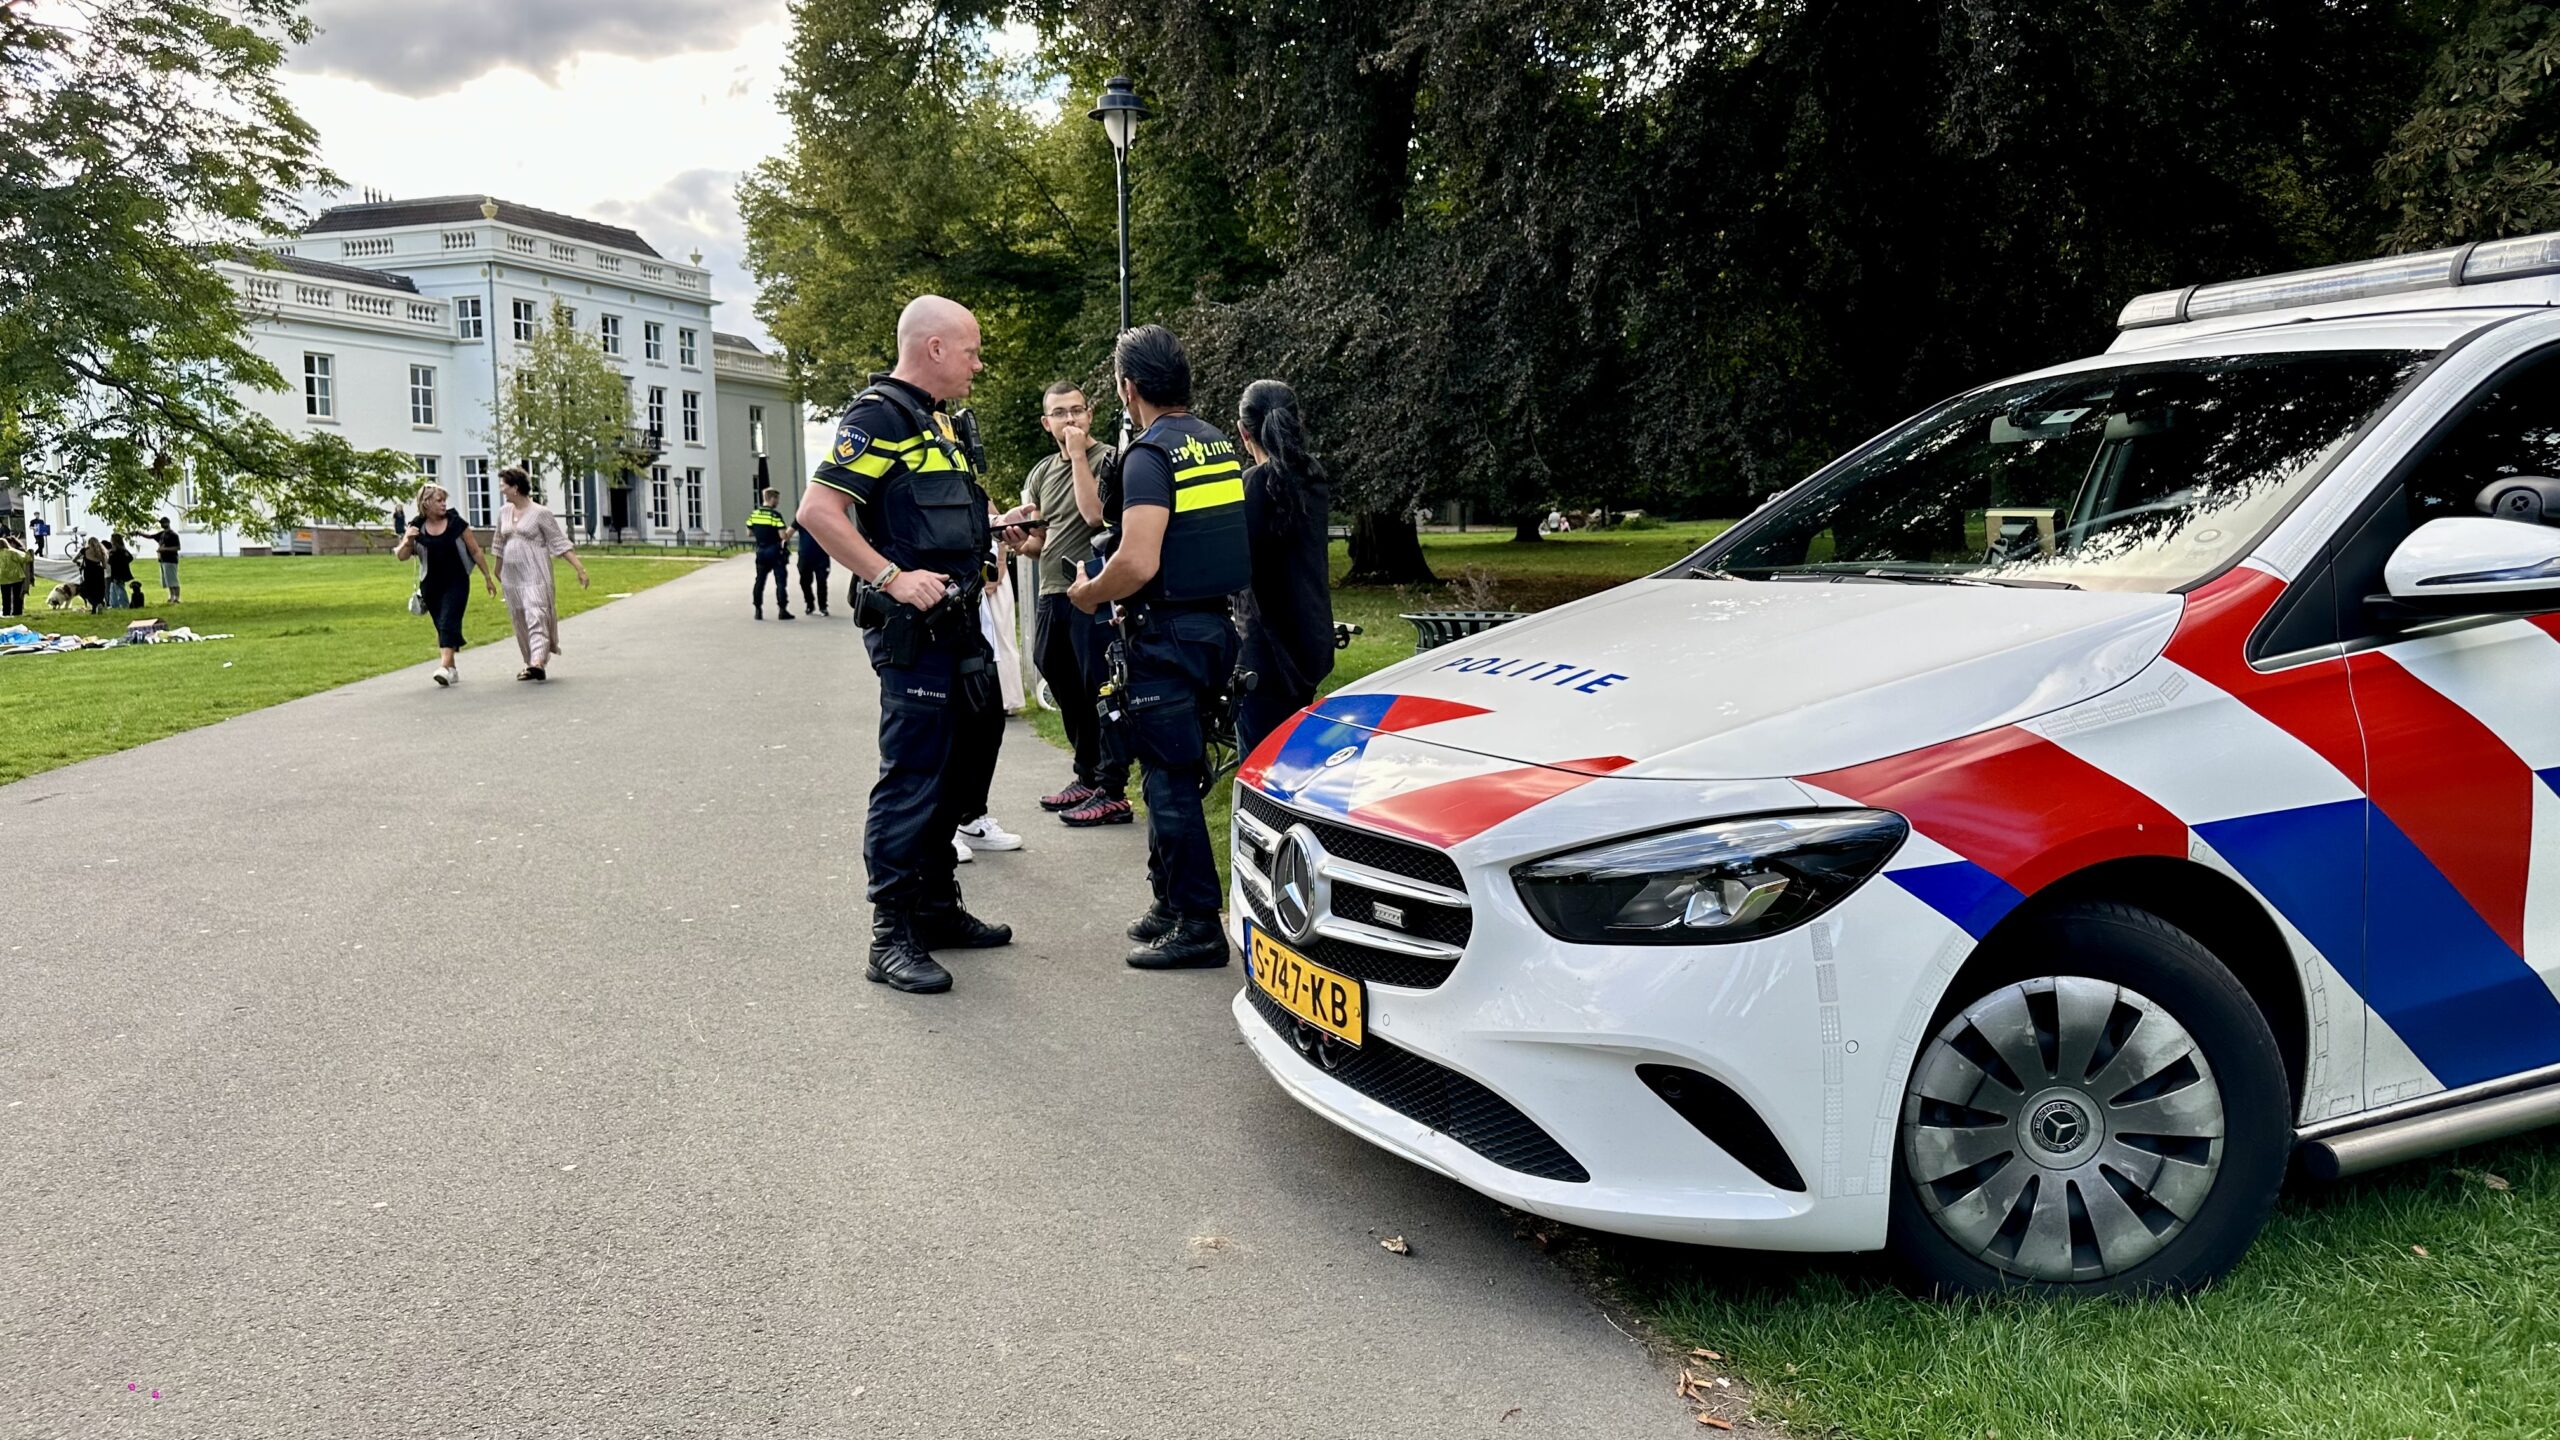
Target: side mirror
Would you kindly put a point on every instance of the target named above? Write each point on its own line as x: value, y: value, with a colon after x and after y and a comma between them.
x: 2465, y: 566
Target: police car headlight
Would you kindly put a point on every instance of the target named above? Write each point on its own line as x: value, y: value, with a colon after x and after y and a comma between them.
x: 1709, y: 884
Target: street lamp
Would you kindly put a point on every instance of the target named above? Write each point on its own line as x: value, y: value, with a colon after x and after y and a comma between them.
x: 1119, y: 110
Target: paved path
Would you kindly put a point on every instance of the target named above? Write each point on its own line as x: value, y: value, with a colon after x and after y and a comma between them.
x: 497, y: 1062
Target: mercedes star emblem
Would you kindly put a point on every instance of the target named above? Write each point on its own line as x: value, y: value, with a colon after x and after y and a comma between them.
x: 1297, y: 884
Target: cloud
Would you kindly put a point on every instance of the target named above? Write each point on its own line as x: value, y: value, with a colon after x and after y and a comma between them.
x: 430, y: 50
x: 697, y: 208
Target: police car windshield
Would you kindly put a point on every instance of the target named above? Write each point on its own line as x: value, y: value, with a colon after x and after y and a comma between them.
x: 2143, y: 477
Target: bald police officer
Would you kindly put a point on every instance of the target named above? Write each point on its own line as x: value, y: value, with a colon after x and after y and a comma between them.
x: 1181, y: 557
x: 897, y: 504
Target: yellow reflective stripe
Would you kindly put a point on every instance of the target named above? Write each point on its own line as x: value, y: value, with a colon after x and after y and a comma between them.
x: 846, y: 491
x: 1208, y: 495
x: 1197, y: 471
x: 896, y: 447
x: 872, y: 466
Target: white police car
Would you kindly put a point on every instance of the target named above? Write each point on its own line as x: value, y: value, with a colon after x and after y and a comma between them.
x: 2011, y: 845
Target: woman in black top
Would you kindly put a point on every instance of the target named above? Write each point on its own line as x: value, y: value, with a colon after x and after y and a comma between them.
x: 93, y: 575
x: 1288, y: 614
x: 444, y: 575
x: 119, y: 573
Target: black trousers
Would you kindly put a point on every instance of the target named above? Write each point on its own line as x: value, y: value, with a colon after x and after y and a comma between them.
x: 775, y: 564
x: 1271, y: 701
x: 445, y: 607
x: 1061, y: 643
x: 940, y: 723
x: 1178, y: 661
x: 813, y: 585
x: 13, y: 599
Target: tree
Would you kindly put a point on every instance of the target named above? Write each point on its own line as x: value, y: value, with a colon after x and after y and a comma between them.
x: 2480, y: 156
x: 141, y: 145
x: 562, y: 407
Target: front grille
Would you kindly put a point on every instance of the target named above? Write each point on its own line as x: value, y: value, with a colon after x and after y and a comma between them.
x: 1441, y: 1098
x: 1422, y: 920
x: 1396, y: 857
x: 1384, y: 967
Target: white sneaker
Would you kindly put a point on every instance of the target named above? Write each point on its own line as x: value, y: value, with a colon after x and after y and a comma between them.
x: 444, y: 675
x: 960, y: 850
x: 987, y: 833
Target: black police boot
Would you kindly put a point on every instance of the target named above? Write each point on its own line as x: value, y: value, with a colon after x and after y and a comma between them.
x: 1195, y: 942
x: 759, y: 612
x: 1148, y: 927
x: 897, y: 961
x: 943, y: 923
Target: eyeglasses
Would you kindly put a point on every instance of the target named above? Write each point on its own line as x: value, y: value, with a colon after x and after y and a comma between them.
x: 1071, y: 412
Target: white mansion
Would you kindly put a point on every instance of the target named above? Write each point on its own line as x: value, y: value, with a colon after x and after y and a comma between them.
x: 392, y: 322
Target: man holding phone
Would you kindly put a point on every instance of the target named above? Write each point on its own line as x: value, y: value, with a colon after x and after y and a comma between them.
x: 1067, y: 644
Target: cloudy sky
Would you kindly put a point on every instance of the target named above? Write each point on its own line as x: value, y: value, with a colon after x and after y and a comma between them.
x: 639, y: 112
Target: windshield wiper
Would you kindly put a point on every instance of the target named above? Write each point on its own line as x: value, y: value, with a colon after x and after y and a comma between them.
x: 1917, y: 577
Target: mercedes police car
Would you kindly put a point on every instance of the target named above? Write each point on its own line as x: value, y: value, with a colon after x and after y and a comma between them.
x: 2013, y: 844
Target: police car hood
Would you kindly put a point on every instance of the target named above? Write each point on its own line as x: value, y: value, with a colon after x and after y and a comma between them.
x: 1721, y: 680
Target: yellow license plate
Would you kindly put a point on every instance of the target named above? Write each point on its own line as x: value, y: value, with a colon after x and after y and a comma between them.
x: 1331, y: 1002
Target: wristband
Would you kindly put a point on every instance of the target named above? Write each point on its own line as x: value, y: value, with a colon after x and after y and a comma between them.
x: 886, y: 575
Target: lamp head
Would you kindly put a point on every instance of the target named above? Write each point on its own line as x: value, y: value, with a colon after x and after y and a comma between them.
x: 1119, y: 110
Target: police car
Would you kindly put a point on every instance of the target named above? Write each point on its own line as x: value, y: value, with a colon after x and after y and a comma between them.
x: 2014, y: 844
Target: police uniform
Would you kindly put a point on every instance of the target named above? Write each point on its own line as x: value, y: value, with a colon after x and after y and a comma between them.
x: 919, y: 504
x: 1180, y: 650
x: 815, y: 566
x: 766, y: 525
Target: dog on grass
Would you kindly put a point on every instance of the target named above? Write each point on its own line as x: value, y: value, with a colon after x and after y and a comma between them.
x: 64, y: 597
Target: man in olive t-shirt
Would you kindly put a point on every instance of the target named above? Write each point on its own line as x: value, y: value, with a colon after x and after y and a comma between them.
x: 1066, y: 643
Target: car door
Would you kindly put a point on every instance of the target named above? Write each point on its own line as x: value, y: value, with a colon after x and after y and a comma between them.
x: 2461, y: 720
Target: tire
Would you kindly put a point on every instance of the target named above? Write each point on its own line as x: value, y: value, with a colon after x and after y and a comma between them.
x: 2099, y: 1109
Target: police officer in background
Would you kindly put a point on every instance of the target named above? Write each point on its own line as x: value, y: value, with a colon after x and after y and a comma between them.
x: 1181, y: 556
x: 815, y: 570
x: 897, y: 504
x: 768, y: 527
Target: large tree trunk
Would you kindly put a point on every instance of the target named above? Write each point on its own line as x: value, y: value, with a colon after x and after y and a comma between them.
x: 1387, y: 550
x: 1525, y: 528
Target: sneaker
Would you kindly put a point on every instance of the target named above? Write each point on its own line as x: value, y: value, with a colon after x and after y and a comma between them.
x: 444, y: 676
x: 960, y: 852
x: 1069, y: 798
x: 787, y: 615
x: 988, y: 833
x: 1101, y: 810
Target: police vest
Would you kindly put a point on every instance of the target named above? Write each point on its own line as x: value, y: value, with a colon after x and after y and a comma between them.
x: 1205, y: 556
x: 930, y: 514
x: 766, y: 519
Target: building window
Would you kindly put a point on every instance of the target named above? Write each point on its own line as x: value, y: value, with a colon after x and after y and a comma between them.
x: 527, y: 316
x: 658, y: 410
x: 684, y: 348
x: 319, y: 386
x: 693, y: 417
x: 577, y: 498
x: 755, y: 429
x: 475, y: 491
x: 422, y: 395
x: 658, y: 514
x: 653, y: 342
x: 467, y: 319
x: 609, y: 330
x: 568, y: 317
x: 693, y: 497
x: 426, y: 468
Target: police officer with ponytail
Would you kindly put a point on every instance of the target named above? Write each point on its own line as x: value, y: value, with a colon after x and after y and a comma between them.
x: 898, y: 504
x: 1288, y: 614
x: 1181, y: 555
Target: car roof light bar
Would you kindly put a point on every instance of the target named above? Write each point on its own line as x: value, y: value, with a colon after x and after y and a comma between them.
x: 2431, y: 270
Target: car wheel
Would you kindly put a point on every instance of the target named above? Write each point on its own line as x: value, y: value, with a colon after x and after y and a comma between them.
x: 2100, y: 1108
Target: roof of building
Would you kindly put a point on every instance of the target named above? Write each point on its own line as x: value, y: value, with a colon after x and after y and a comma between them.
x: 737, y: 342
x: 465, y: 210
x: 347, y: 274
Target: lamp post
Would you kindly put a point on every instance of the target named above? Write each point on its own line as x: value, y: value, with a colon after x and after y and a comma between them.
x: 1119, y: 110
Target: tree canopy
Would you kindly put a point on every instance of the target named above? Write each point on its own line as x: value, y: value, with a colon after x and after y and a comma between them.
x: 1669, y: 254
x: 141, y: 145
x: 563, y: 410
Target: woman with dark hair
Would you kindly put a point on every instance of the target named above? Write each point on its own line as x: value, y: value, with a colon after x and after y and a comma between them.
x: 93, y: 575
x: 119, y: 573
x: 1288, y: 614
x: 529, y: 537
x: 447, y: 558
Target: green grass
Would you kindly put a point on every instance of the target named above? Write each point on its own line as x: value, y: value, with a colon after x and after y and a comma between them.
x: 304, y: 623
x: 2333, y: 1326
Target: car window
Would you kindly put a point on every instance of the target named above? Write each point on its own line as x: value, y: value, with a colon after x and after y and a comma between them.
x: 2513, y: 429
x: 2140, y: 477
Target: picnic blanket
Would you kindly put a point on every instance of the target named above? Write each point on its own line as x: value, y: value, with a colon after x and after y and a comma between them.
x: 20, y: 640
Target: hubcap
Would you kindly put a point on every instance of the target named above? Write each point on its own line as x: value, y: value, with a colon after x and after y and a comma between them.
x: 2063, y: 1129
